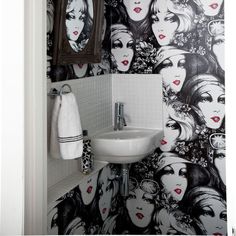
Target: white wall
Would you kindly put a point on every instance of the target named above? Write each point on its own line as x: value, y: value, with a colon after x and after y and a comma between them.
x: 12, y: 115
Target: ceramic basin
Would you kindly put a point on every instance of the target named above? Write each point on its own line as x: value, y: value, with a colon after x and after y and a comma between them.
x: 125, y: 146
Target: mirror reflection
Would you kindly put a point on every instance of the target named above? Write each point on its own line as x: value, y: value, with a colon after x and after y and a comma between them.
x: 79, y: 23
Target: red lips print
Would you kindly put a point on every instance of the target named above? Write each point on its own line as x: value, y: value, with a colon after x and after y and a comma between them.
x: 163, y: 142
x: 178, y: 190
x: 125, y: 62
x: 214, y: 6
x: 75, y: 32
x: 89, y: 189
x: 139, y: 216
x: 161, y: 36
x: 176, y: 82
x: 137, y: 9
x: 104, y: 210
x: 215, y: 119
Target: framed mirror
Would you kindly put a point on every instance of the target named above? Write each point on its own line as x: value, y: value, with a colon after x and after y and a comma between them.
x: 78, y: 31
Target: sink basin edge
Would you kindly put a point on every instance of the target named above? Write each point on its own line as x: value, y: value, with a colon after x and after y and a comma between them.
x: 126, y: 146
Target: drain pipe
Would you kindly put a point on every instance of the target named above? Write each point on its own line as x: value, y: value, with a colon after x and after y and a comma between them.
x: 124, y: 181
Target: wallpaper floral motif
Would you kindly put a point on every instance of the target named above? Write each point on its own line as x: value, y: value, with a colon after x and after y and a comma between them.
x: 180, y: 188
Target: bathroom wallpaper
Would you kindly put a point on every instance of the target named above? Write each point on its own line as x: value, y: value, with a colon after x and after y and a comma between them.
x: 180, y: 188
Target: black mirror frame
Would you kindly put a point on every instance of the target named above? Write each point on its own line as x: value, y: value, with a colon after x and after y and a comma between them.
x: 63, y: 54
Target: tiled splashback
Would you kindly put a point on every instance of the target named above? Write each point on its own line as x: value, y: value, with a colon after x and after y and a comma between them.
x: 94, y: 98
x: 142, y: 97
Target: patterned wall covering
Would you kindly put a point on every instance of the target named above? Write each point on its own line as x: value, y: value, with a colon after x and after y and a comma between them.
x: 180, y: 188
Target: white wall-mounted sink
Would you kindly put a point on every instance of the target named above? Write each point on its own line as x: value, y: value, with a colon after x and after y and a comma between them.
x: 125, y: 146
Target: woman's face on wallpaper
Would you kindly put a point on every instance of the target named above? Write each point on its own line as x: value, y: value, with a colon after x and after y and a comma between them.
x: 105, y: 193
x: 219, y: 162
x: 171, y: 132
x: 174, y: 180
x: 212, y: 106
x: 140, y: 207
x: 137, y: 9
x: 218, y: 46
x: 80, y: 69
x: 123, y: 51
x: 214, y: 217
x: 210, y: 7
x: 164, y: 22
x: 173, y: 72
x: 75, y: 17
x: 88, y: 189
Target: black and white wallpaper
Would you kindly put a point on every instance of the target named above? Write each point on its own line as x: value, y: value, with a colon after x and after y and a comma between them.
x: 179, y: 189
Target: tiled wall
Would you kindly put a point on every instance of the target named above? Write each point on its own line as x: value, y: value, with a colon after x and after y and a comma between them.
x: 142, y: 98
x: 94, y: 98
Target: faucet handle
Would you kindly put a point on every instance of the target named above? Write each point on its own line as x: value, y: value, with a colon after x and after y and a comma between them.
x: 119, y: 116
x: 119, y: 103
x: 122, y: 115
x: 121, y: 108
x: 124, y: 121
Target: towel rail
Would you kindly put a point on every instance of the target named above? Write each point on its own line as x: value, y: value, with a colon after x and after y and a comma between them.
x: 54, y: 92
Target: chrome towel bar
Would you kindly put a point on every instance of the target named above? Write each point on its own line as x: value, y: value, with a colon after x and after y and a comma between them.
x: 54, y: 92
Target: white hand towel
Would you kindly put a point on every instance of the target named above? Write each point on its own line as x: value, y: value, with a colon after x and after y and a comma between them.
x: 54, y: 145
x: 70, y: 136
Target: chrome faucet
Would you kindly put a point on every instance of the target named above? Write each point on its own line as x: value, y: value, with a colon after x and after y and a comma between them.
x: 119, y: 121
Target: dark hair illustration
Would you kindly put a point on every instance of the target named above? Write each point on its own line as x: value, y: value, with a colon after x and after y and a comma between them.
x: 201, y: 89
x: 203, y: 200
x: 121, y: 47
x: 186, y: 175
